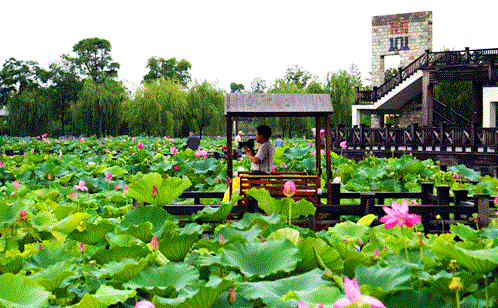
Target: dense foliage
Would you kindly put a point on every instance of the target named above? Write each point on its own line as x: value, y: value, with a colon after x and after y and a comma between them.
x: 71, y: 236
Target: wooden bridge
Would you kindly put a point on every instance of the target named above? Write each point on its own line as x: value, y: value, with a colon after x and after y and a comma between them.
x: 474, y: 147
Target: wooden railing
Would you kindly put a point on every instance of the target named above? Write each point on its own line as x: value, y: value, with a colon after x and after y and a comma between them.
x: 457, y: 208
x: 428, y: 60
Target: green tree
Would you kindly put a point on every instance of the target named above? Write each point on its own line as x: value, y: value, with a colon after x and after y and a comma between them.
x: 341, y: 86
x: 29, y: 112
x: 17, y: 76
x: 63, y: 90
x: 236, y: 87
x: 258, y: 85
x: 93, y: 59
x: 205, y: 105
x: 169, y: 69
x: 157, y: 109
x: 98, y: 109
x: 457, y: 95
x: 296, y: 75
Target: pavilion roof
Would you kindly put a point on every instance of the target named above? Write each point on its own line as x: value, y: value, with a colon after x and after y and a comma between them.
x: 253, y: 104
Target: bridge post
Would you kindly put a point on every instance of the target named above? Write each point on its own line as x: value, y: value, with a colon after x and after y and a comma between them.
x: 427, y: 100
x: 413, y: 133
x: 482, y: 202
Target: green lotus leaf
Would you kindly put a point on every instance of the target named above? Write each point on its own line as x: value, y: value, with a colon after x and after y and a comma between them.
x: 43, y: 221
x: 262, y: 259
x: 281, y: 206
x: 51, y: 277
x: 162, y: 166
x: 393, y: 277
x: 232, y: 234
x: 123, y: 270
x: 320, y: 295
x: 464, y: 232
x: 46, y: 257
x: 93, y: 232
x: 166, y: 279
x: 105, y: 296
x: 217, y: 214
x: 20, y: 291
x: 251, y: 219
x: 480, y: 261
x: 133, y: 251
x: 113, y: 211
x: 296, y: 153
x: 204, y: 297
x: 174, y: 244
x: 313, y: 251
x: 348, y: 230
x: 116, y: 171
x: 11, y: 265
x: 145, y: 214
x: 121, y: 239
x: 204, y: 165
x: 209, y: 260
x: 70, y: 223
x: 412, y: 298
x: 9, y: 212
x: 167, y: 189
x: 468, y: 173
x: 491, y: 233
x: 271, y: 292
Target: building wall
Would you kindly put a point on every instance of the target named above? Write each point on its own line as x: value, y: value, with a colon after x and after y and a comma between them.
x: 407, y: 35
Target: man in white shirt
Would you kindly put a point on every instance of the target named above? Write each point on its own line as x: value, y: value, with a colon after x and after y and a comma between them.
x: 263, y: 160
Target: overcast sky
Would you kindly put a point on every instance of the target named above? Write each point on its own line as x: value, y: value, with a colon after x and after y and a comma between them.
x: 231, y: 41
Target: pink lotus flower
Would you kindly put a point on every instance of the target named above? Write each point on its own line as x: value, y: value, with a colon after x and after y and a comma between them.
x: 154, y: 243
x: 144, y: 304
x: 133, y: 139
x: 15, y: 184
x: 495, y: 200
x: 273, y: 167
x: 125, y: 188
x: 289, y: 188
x: 175, y: 167
x: 201, y: 153
x: 310, y: 144
x: 82, y: 140
x: 313, y: 130
x: 301, y: 304
x: 23, y: 216
x: 71, y: 195
x: 140, y: 146
x: 154, y: 191
x: 337, y: 179
x: 283, y: 165
x: 81, y: 186
x: 353, y: 296
x: 343, y: 144
x: 108, y: 176
x: 398, y: 215
x: 455, y: 176
x: 173, y: 150
x: 1, y: 165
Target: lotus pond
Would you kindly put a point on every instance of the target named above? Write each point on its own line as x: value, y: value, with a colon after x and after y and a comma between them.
x: 70, y: 235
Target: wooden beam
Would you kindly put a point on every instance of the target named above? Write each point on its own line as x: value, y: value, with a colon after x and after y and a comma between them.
x: 427, y: 100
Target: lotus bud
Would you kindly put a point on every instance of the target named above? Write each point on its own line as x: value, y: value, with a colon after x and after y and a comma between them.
x: 376, y: 254
x: 15, y: 184
x: 221, y: 239
x: 343, y: 144
x: 327, y: 274
x: 108, y: 176
x: 154, y: 191
x: 453, y: 265
x: 289, y: 188
x: 154, y: 243
x: 23, y: 216
x: 231, y: 296
x: 140, y: 146
x: 261, y: 239
x: 81, y: 248
x: 456, y: 284
x: 49, y: 177
x: 125, y: 188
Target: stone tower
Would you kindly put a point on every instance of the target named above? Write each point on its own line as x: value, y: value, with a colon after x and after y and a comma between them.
x: 407, y: 35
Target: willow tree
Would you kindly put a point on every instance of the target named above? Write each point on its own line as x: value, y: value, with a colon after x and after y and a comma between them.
x: 205, y: 106
x: 157, y: 108
x: 98, y: 108
x: 29, y: 113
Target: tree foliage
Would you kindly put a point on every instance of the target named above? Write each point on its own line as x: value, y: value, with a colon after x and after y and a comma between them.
x: 258, y: 85
x: 93, y: 59
x: 296, y: 75
x: 17, y: 76
x: 157, y: 108
x: 98, y: 109
x: 236, y: 87
x: 169, y: 69
x: 29, y: 112
x: 205, y: 105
